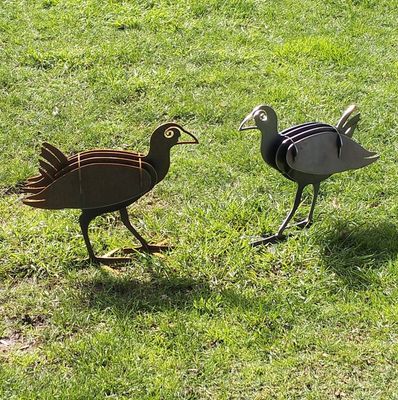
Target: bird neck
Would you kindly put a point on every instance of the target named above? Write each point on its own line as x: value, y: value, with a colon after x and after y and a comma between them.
x: 159, y: 158
x: 270, y: 141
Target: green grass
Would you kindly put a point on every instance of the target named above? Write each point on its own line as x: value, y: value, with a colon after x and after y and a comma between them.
x: 315, y: 317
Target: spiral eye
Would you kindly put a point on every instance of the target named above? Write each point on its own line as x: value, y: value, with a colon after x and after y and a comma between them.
x: 263, y: 116
x: 169, y: 133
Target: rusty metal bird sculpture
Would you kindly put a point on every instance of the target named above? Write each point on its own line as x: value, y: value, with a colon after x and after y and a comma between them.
x: 307, y: 154
x: 100, y: 181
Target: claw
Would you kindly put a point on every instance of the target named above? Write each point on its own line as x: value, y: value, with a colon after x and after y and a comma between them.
x: 110, y: 259
x: 268, y: 240
x: 302, y: 224
x: 151, y: 249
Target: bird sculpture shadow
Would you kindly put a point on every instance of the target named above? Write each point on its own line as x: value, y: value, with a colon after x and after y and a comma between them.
x: 307, y: 154
x: 100, y: 181
x: 355, y: 252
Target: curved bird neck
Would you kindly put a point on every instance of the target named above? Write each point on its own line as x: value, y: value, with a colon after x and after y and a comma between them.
x: 159, y: 158
x: 270, y: 142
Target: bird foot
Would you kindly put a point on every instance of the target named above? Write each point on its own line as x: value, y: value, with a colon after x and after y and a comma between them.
x: 302, y: 224
x: 110, y: 258
x: 267, y: 240
x: 150, y: 248
x: 107, y: 259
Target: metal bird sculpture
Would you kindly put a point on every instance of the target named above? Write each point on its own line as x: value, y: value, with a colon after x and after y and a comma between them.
x: 307, y: 154
x: 101, y: 181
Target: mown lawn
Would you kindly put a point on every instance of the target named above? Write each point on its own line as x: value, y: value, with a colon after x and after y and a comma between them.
x: 315, y: 317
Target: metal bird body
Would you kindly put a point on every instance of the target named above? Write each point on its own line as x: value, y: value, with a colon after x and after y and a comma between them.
x: 307, y: 153
x: 95, y: 184
x: 102, y: 180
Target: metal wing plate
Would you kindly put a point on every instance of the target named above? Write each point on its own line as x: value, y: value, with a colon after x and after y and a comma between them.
x: 321, y: 154
x: 95, y: 186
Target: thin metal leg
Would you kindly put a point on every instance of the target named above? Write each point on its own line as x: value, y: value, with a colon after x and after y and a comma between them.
x: 278, y: 236
x: 297, y: 202
x: 146, y: 247
x: 308, y: 221
x: 84, y: 220
x: 87, y: 216
x: 314, y: 199
x: 126, y: 221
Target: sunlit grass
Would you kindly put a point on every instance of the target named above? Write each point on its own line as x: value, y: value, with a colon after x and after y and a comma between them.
x: 313, y: 317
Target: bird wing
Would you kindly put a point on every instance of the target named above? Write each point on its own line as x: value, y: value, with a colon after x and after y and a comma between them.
x: 106, y: 153
x: 327, y: 153
x: 54, y: 164
x: 302, y: 128
x: 95, y: 185
x: 78, y: 162
x: 296, y: 134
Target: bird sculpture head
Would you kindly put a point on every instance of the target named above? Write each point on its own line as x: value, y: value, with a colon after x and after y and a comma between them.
x: 264, y: 118
x: 169, y: 134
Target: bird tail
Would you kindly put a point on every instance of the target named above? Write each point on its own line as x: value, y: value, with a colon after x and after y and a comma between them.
x: 348, y: 122
x: 52, y: 160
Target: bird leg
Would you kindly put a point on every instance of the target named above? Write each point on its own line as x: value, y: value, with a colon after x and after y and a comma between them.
x: 126, y: 221
x: 85, y: 218
x: 279, y: 235
x: 296, y: 204
x: 145, y: 246
x: 306, y: 223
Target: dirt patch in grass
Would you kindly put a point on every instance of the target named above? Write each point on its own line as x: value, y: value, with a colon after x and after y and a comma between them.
x: 16, y: 341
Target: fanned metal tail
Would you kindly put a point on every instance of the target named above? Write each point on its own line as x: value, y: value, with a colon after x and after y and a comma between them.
x: 52, y: 160
x: 56, y: 152
x: 37, y: 203
x: 347, y: 123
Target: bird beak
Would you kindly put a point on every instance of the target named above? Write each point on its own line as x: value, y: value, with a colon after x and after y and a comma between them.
x: 194, y: 141
x: 242, y: 126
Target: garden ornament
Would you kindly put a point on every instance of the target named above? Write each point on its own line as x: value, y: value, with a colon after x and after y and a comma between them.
x: 101, y: 181
x: 307, y: 154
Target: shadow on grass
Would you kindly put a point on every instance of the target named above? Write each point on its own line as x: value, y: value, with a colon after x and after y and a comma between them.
x: 126, y: 296
x: 355, y: 252
x: 150, y: 290
x: 129, y: 296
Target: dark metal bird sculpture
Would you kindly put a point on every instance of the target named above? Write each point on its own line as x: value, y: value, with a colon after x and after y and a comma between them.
x: 101, y: 181
x: 307, y: 154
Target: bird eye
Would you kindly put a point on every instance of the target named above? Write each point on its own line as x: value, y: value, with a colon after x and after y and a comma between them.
x: 169, y: 133
x: 263, y: 116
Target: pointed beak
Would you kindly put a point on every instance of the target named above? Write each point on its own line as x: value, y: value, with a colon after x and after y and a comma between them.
x: 242, y: 126
x: 194, y: 141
